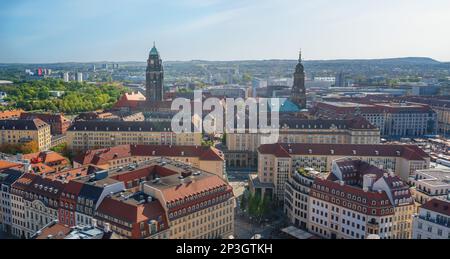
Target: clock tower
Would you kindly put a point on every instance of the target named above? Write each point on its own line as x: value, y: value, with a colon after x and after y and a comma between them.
x: 154, y: 77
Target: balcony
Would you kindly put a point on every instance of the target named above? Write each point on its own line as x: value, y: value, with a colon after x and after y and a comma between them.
x: 435, y: 221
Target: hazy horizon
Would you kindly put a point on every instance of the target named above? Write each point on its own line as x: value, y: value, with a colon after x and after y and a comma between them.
x: 192, y: 60
x: 49, y: 31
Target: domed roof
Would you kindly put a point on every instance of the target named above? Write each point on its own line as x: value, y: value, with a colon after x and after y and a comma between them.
x: 154, y: 51
x: 300, y: 67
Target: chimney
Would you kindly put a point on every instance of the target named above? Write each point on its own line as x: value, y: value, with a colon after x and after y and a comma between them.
x: 107, y: 228
x: 342, y: 183
x: 94, y: 223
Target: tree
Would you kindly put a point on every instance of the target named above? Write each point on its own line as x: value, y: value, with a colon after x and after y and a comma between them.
x: 78, y: 97
x: 30, y: 147
x: 224, y: 138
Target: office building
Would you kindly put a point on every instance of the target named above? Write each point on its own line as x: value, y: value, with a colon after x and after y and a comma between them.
x: 86, y: 135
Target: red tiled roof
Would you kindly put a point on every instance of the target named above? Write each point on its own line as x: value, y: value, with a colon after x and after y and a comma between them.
x: 42, y: 169
x: 410, y: 152
x: 7, y: 164
x: 45, y: 187
x: 131, y: 100
x: 143, y: 172
x: 103, y: 156
x: 439, y: 206
x: 73, y: 187
x: 23, y: 182
x: 131, y: 213
x: 69, y: 174
x: 45, y: 157
x: 56, y: 231
x: 175, y: 193
x: 4, y: 115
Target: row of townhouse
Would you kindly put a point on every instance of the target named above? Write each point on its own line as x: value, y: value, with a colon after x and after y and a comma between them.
x: 160, y: 198
x: 355, y: 201
x: 278, y: 161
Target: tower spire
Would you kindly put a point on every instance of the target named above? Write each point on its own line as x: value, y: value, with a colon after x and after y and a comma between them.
x: 300, y: 56
x: 154, y: 44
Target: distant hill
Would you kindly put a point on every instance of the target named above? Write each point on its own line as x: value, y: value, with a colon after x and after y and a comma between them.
x: 388, y: 61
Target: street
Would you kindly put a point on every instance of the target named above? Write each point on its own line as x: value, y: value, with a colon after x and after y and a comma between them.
x: 245, y: 228
x: 3, y: 235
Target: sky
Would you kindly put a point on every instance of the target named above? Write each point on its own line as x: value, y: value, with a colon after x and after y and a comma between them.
x: 49, y: 31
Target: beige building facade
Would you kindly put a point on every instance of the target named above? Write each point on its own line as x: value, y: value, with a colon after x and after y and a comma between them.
x: 18, y: 132
x: 87, y: 135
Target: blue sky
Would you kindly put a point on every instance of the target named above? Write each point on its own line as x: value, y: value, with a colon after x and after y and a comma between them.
x: 112, y: 30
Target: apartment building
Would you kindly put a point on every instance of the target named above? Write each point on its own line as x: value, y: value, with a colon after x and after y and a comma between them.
x: 198, y: 205
x: 58, y: 123
x: 19, y: 220
x: 41, y: 203
x: 440, y: 104
x: 433, y: 220
x: 296, y: 198
x: 278, y: 161
x: 95, y: 188
x: 242, y: 147
x: 358, y: 200
x: 209, y: 159
x: 133, y: 215
x: 393, y: 119
x: 23, y: 131
x: 7, y: 178
x: 430, y: 184
x: 85, y: 135
x: 155, y: 199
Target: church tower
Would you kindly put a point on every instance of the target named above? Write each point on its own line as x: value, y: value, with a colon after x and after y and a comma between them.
x: 154, y: 77
x: 298, y: 95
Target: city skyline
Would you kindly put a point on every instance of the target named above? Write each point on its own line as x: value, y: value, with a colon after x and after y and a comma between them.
x: 80, y: 31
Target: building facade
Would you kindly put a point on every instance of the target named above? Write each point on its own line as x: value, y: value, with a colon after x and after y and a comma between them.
x: 353, y: 131
x: 296, y: 199
x: 58, y: 123
x: 358, y: 200
x: 433, y: 220
x: 430, y: 184
x: 208, y: 159
x: 20, y: 227
x: 86, y: 135
x: 277, y: 162
x: 395, y: 120
x: 7, y: 178
x: 41, y: 203
x: 23, y: 131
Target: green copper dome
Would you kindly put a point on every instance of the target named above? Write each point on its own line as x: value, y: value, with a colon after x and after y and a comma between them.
x: 154, y: 51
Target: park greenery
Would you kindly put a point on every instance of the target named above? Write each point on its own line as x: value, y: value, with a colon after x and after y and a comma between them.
x: 76, y: 97
x: 27, y: 148
x: 65, y: 151
x: 256, y: 206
